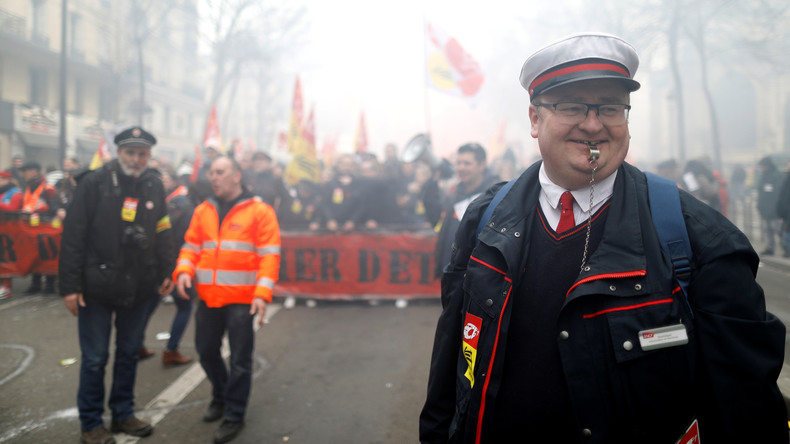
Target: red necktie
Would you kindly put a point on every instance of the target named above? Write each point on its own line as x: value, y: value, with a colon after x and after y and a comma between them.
x: 566, y: 217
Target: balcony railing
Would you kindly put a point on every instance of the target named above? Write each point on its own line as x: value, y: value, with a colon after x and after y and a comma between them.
x: 12, y: 24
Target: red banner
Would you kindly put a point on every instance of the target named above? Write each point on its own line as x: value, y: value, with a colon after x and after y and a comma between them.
x: 357, y: 266
x: 322, y: 266
x: 25, y: 249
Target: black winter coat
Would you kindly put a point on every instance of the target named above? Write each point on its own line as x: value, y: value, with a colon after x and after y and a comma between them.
x: 99, y: 256
x: 725, y: 376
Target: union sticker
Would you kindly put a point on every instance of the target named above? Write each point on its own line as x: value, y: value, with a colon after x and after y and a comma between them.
x: 129, y: 209
x: 471, y: 334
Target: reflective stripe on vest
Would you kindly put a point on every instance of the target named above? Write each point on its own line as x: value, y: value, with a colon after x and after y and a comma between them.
x: 265, y: 282
x: 235, y: 245
x: 269, y: 249
x: 232, y: 278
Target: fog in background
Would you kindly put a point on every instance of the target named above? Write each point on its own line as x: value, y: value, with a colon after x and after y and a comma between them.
x: 714, y: 73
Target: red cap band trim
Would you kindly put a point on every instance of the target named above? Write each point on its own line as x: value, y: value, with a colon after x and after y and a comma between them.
x: 577, y: 68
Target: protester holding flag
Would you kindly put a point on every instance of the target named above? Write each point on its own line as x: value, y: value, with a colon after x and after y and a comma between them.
x: 40, y: 202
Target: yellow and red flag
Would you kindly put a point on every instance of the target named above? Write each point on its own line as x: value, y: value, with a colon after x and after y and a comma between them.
x: 449, y: 68
x: 361, y: 138
x: 304, y: 164
x: 212, y: 136
x: 101, y: 156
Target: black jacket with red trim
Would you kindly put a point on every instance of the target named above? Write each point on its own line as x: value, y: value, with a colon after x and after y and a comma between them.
x: 724, y: 377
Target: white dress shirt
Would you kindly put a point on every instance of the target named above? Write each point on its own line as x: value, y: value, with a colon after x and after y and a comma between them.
x: 550, y: 198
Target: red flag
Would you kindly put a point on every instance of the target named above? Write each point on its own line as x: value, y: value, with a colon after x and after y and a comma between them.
x: 196, y: 166
x: 361, y: 138
x: 295, y: 130
x: 328, y: 149
x: 450, y: 68
x: 212, y: 137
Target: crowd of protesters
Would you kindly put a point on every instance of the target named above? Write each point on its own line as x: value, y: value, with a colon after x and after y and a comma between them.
x: 764, y: 187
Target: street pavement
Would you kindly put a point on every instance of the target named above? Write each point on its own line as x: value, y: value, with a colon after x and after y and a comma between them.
x: 348, y: 372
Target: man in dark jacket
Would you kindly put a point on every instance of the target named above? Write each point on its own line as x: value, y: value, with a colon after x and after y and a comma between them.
x: 562, y: 320
x: 471, y: 167
x: 116, y: 252
x: 767, y: 197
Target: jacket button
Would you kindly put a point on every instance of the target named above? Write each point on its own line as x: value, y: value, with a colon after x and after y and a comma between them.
x: 503, y: 230
x: 612, y: 288
x: 638, y: 287
x: 586, y: 433
x: 564, y: 335
x: 489, y: 302
x: 587, y: 268
x: 628, y: 345
x: 517, y: 234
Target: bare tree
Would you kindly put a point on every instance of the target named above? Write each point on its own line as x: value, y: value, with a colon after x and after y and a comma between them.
x: 246, y: 33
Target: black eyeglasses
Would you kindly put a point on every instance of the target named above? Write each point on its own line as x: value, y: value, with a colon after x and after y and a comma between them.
x: 574, y: 113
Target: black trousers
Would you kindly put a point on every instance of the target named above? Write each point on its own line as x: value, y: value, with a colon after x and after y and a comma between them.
x: 229, y: 385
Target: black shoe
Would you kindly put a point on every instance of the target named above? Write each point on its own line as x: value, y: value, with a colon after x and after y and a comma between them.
x: 214, y: 411
x: 227, y: 431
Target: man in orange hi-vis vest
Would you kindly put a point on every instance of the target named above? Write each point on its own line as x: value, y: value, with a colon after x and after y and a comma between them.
x: 231, y: 252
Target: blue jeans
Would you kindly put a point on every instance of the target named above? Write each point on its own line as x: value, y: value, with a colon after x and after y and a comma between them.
x: 231, y: 387
x: 95, y: 327
x: 181, y: 319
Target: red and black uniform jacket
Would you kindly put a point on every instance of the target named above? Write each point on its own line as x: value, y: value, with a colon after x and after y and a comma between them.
x: 724, y: 377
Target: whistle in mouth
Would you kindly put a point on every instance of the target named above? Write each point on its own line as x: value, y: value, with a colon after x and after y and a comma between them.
x: 595, y: 153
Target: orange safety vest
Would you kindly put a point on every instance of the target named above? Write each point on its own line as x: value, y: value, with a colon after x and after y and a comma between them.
x: 33, y: 202
x: 180, y: 191
x: 235, y: 262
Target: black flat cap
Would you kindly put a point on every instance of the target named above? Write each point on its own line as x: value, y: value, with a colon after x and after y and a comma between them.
x: 31, y: 165
x: 135, y: 137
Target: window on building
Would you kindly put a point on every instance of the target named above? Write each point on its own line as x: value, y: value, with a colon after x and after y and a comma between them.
x: 38, y: 86
x: 39, y: 21
x: 79, y: 92
x: 106, y: 101
x: 76, y: 45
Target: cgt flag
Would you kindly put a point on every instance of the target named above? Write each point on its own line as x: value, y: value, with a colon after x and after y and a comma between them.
x: 449, y: 68
x: 304, y: 164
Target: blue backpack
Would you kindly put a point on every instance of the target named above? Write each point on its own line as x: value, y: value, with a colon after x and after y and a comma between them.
x: 667, y: 218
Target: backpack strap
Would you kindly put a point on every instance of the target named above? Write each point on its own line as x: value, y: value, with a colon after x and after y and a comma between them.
x: 671, y: 228
x: 492, y: 205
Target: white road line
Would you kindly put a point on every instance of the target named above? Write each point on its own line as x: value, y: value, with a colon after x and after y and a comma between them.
x: 25, y: 362
x: 171, y: 396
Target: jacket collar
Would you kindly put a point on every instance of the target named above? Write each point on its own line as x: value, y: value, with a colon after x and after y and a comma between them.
x: 621, y: 249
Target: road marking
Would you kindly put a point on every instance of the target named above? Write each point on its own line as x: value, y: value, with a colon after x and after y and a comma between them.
x: 171, y: 396
x: 25, y: 362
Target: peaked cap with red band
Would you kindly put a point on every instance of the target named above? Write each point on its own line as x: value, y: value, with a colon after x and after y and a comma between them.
x: 578, y: 57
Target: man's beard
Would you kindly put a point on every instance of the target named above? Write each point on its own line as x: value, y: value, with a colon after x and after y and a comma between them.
x: 129, y: 172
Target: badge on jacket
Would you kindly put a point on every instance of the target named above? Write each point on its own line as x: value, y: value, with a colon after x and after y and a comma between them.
x: 472, y: 327
x: 129, y: 209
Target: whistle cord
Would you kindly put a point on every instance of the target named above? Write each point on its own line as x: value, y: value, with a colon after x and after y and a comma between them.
x: 594, y: 154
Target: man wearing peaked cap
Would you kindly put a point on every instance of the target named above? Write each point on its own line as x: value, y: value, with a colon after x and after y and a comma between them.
x: 135, y: 136
x: 563, y: 320
x: 116, y: 255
